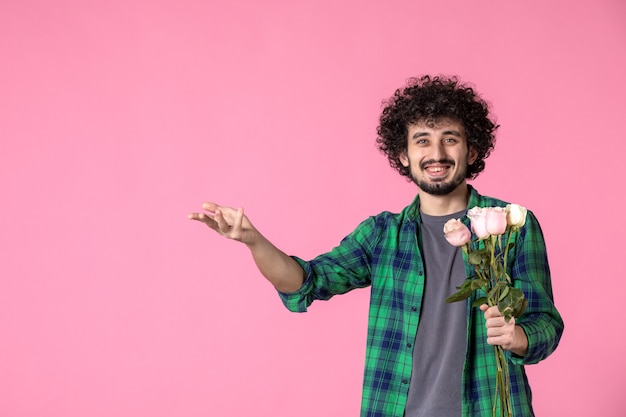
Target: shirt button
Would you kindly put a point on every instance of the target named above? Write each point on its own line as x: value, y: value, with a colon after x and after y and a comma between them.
x: 420, y: 273
x: 409, y: 345
x: 413, y: 308
x: 405, y: 381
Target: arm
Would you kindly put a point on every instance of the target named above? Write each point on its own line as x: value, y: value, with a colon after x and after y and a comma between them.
x: 541, y: 322
x: 344, y: 268
x: 282, y: 271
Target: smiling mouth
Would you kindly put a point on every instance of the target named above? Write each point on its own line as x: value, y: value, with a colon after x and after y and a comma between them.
x: 437, y: 174
x: 437, y: 171
x: 434, y: 164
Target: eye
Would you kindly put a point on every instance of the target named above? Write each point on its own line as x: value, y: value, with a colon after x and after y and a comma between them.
x: 451, y: 140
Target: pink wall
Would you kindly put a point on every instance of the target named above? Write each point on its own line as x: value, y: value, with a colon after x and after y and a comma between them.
x: 118, y: 118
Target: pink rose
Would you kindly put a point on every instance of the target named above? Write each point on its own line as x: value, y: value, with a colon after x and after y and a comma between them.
x: 496, y: 220
x: 457, y: 234
x: 478, y: 221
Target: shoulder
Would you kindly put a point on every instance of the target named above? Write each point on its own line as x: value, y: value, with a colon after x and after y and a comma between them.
x: 393, y: 219
x: 478, y: 200
x: 386, y: 223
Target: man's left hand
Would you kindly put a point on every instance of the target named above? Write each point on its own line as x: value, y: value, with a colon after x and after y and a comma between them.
x: 508, y: 335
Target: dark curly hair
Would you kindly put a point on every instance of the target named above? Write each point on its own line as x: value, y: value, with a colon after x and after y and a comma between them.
x: 433, y: 98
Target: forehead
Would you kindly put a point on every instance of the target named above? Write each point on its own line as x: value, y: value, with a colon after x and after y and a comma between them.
x: 432, y: 125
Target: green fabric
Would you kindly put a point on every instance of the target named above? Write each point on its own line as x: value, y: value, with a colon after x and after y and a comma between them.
x: 383, y: 253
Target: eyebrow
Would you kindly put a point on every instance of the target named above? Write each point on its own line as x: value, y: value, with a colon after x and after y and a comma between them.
x: 420, y: 134
x: 445, y: 132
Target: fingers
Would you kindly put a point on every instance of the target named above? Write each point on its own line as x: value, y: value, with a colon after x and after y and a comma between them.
x: 222, y: 224
x: 201, y: 217
x: 239, y: 219
x: 225, y: 220
x: 490, y: 312
x: 211, y: 207
x: 495, y: 320
x: 196, y: 216
x: 499, y: 332
x: 498, y: 325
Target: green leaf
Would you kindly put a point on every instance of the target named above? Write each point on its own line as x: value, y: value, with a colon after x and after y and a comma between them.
x: 499, y: 286
x: 467, y: 284
x: 458, y: 296
x: 465, y: 290
x: 513, y: 304
x: 507, y: 314
x: 478, y: 283
x: 480, y: 301
x: 518, y: 312
x: 478, y: 257
x: 498, y: 269
x: 519, y: 302
x: 504, y: 293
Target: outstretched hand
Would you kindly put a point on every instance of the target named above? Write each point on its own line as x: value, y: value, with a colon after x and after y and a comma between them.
x: 228, y: 222
x: 281, y: 270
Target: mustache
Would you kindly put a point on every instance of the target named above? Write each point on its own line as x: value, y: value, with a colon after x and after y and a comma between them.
x: 441, y: 161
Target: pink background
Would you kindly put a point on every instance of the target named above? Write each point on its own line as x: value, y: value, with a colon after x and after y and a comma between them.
x: 118, y: 118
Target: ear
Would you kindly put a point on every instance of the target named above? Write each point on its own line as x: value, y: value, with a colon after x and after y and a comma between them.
x: 472, y: 156
x: 404, y: 159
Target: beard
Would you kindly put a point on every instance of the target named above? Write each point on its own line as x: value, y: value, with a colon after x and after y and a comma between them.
x: 439, y: 187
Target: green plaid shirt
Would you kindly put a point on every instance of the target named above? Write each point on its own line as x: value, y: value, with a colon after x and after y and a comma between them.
x: 383, y: 252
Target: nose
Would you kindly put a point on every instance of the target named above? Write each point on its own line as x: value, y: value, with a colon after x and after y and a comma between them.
x: 439, y: 152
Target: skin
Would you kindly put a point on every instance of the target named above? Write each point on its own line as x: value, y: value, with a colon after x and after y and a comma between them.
x: 438, y: 156
x: 508, y: 335
x: 277, y: 267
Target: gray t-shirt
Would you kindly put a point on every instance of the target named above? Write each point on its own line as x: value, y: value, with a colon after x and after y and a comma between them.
x: 440, y: 344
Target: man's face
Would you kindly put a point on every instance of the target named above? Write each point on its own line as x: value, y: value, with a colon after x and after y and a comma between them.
x: 437, y: 155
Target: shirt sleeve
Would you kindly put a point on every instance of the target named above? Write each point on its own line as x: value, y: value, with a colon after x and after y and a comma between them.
x: 541, y: 321
x: 346, y: 267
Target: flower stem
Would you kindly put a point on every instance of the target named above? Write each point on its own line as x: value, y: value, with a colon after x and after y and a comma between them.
x: 503, y: 385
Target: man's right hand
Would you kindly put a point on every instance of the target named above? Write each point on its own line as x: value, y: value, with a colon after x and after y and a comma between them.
x: 226, y: 221
x: 281, y: 270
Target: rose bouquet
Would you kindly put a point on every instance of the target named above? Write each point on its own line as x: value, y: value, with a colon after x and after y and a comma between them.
x: 495, y: 229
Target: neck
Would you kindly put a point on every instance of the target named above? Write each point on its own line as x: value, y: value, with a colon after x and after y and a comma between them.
x: 441, y: 205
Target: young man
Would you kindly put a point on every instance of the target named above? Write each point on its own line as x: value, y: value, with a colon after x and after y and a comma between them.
x: 424, y: 357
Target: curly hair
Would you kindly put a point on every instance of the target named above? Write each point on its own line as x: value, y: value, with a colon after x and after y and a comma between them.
x: 434, y: 98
